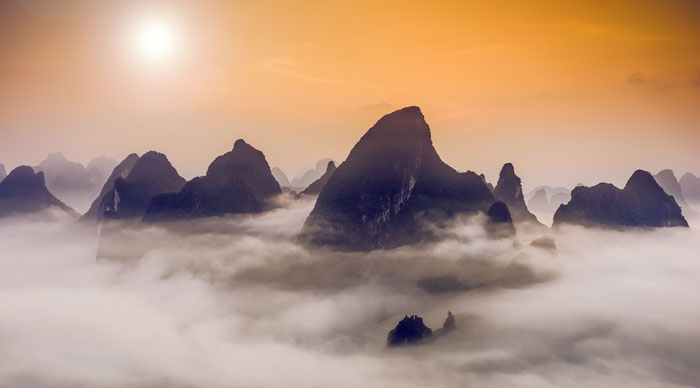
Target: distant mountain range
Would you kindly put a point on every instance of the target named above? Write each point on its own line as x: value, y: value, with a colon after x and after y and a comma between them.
x: 393, y: 189
x: 74, y: 183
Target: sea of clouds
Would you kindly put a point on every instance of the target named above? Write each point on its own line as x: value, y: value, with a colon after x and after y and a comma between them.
x: 237, y: 302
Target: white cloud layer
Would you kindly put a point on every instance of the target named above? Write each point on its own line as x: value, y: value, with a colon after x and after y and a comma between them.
x: 237, y: 302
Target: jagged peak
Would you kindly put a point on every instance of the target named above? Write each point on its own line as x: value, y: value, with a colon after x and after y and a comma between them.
x: 331, y: 166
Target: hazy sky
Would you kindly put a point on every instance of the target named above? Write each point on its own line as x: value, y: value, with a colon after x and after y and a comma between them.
x: 569, y: 92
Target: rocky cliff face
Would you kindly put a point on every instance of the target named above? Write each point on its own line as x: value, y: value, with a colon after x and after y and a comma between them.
x: 391, y: 182
x: 642, y: 203
x: 318, y: 185
x: 510, y: 191
x: 24, y: 191
x: 152, y: 174
x: 121, y: 171
x: 239, y: 181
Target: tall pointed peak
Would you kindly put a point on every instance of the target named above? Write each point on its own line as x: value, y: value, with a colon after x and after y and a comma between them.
x: 507, y: 170
x: 402, y: 122
x: 641, y: 180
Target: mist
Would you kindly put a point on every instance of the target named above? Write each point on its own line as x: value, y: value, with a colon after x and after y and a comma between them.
x: 237, y: 301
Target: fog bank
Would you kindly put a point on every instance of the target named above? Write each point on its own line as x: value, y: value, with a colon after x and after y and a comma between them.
x: 237, y: 302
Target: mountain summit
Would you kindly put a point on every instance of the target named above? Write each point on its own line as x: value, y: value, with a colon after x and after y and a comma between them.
x: 510, y: 191
x: 152, y: 174
x: 239, y: 181
x: 24, y: 191
x: 391, y: 183
x: 642, y: 203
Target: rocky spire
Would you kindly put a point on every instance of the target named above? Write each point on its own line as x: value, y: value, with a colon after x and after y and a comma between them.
x: 510, y: 191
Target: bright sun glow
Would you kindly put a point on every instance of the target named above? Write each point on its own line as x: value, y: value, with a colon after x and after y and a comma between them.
x: 155, y: 39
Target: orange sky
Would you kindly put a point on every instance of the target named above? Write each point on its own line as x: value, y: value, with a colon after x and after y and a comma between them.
x: 568, y: 91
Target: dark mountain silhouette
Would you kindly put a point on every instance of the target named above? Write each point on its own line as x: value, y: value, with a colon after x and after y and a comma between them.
x: 642, y: 203
x: 690, y: 186
x: 239, y: 181
x: 312, y: 175
x: 120, y: 171
x: 499, y: 222
x: 409, y: 330
x: 280, y: 177
x: 3, y: 172
x: 316, y: 187
x: 539, y: 201
x: 152, y: 174
x: 509, y: 190
x: 412, y: 331
x: 24, y: 191
x: 667, y: 180
x: 392, y: 180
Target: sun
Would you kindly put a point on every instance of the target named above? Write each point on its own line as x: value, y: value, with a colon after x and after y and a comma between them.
x: 155, y: 39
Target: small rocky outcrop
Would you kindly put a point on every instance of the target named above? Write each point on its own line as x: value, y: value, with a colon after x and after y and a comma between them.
x: 412, y: 331
x: 546, y: 243
x: 3, y: 172
x: 642, y: 203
